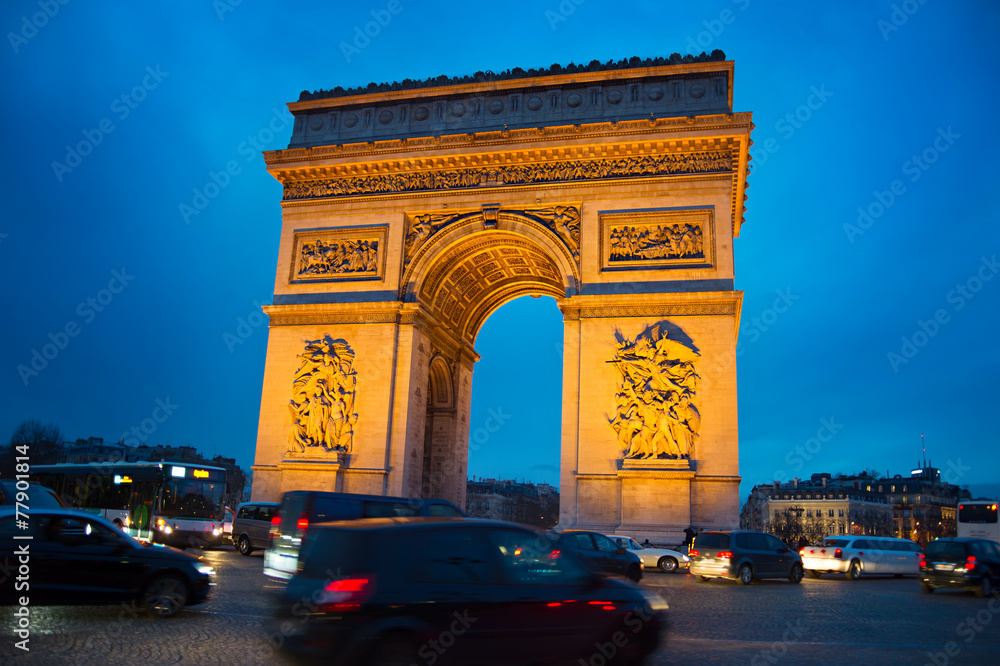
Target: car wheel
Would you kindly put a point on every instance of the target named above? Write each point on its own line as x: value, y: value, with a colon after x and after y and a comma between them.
x: 393, y: 650
x: 244, y: 545
x: 746, y: 574
x: 928, y: 589
x: 667, y: 564
x: 854, y: 572
x: 795, y: 575
x: 815, y: 574
x: 985, y: 587
x: 164, y: 596
x: 634, y: 573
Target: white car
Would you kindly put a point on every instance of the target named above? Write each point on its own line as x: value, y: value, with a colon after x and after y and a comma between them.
x: 857, y: 555
x: 664, y: 559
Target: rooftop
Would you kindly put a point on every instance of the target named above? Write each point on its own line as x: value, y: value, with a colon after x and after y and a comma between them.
x: 634, y: 62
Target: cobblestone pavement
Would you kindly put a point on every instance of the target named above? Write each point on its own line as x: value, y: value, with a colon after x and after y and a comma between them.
x: 829, y: 620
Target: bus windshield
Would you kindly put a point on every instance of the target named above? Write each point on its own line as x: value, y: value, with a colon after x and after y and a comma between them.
x: 189, y: 498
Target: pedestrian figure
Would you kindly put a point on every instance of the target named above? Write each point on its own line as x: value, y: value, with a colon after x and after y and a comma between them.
x: 689, y: 534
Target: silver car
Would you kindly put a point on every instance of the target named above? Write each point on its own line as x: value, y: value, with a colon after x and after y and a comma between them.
x: 664, y: 559
x: 857, y: 555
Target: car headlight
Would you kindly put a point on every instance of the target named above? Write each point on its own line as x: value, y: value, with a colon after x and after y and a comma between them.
x: 206, y: 570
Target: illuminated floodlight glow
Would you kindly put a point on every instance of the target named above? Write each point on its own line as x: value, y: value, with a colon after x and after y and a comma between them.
x: 177, y: 471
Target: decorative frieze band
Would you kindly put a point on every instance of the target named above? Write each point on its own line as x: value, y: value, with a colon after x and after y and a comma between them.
x: 573, y: 312
x: 513, y: 174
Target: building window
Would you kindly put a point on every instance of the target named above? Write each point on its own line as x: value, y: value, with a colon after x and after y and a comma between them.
x: 831, y: 513
x: 880, y: 488
x: 809, y: 513
x: 840, y: 514
x: 892, y: 488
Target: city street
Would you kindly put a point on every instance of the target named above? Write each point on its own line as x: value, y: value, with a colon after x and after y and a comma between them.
x: 829, y: 620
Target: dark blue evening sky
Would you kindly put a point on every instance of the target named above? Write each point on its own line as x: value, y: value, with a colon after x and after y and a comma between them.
x: 901, y: 125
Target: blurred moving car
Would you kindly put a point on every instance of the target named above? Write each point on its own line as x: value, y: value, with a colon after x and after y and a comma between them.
x: 744, y: 556
x: 857, y: 555
x: 664, y: 559
x: 38, y: 496
x: 252, y: 525
x: 457, y: 591
x: 82, y: 559
x: 600, y: 553
x: 964, y: 563
x: 301, y: 508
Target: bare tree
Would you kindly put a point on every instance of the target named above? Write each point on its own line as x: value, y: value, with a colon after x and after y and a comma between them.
x: 38, y: 442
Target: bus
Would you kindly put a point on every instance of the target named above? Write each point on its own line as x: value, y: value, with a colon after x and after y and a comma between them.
x: 179, y: 504
x: 978, y: 518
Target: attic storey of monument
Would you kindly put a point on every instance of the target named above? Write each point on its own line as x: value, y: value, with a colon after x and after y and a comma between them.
x: 411, y: 214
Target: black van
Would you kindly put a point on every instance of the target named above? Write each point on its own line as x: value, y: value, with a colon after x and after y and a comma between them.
x: 301, y: 508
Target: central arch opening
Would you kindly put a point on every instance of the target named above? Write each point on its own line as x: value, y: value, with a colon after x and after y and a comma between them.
x: 494, y: 390
x: 516, y: 418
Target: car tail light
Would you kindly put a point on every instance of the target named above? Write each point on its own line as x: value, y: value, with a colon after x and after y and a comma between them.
x: 725, y: 554
x: 923, y: 561
x: 802, y: 552
x: 970, y: 563
x: 302, y: 523
x: 554, y: 555
x: 839, y: 554
x: 693, y: 553
x: 346, y: 594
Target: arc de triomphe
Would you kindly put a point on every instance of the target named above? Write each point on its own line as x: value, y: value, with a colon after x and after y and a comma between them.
x: 412, y: 211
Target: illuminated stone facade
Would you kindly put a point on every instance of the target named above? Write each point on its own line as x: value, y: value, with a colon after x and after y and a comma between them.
x: 410, y: 214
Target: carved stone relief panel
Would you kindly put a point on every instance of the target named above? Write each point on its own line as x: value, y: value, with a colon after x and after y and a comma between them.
x: 635, y: 240
x: 563, y: 221
x: 322, y: 404
x: 656, y: 414
x: 338, y: 254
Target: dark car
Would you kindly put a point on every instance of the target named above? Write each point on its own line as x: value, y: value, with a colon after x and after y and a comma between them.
x: 75, y: 558
x: 457, y: 591
x: 35, y: 495
x: 600, y: 553
x: 301, y: 508
x: 963, y: 563
x: 744, y: 556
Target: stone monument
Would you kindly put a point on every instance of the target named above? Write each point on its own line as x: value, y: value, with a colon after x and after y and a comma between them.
x: 412, y: 211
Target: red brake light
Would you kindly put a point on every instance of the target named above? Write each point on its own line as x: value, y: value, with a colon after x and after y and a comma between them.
x: 302, y: 523
x: 693, y: 553
x: 923, y: 561
x: 276, y: 521
x: 802, y: 552
x: 839, y: 554
x: 346, y: 594
x: 725, y: 554
x: 554, y: 555
x: 970, y: 563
